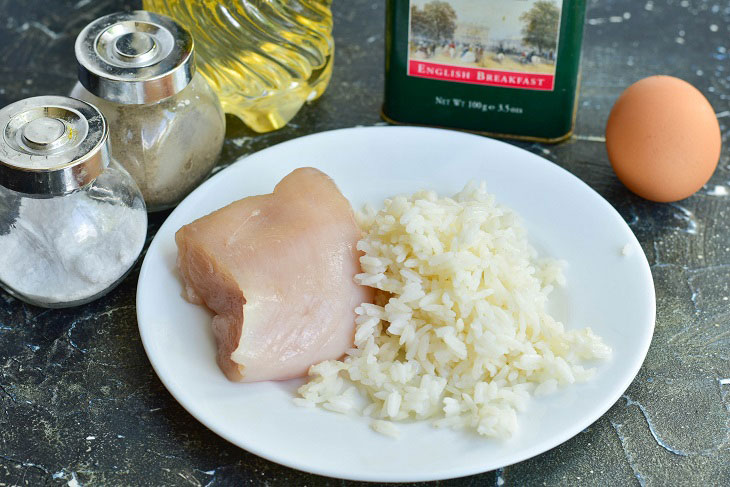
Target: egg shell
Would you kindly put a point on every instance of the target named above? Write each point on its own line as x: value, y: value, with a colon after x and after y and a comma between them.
x: 663, y: 138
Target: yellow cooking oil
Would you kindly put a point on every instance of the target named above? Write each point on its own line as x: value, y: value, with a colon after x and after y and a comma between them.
x: 264, y: 58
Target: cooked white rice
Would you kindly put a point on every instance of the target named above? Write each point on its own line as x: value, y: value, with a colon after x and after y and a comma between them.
x: 459, y: 332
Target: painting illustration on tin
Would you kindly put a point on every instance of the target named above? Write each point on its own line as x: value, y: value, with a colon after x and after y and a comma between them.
x: 508, y: 43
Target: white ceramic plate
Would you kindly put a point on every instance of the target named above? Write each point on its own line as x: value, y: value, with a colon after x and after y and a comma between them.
x: 611, y: 292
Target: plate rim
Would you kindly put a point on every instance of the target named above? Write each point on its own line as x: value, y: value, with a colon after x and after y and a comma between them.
x: 444, y: 473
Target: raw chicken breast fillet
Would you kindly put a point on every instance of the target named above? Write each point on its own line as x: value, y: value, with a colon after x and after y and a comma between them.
x: 277, y: 270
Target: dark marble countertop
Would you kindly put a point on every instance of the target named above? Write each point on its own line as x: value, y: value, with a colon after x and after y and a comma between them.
x: 81, y: 405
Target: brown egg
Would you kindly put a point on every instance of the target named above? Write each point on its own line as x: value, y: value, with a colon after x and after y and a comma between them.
x: 663, y: 138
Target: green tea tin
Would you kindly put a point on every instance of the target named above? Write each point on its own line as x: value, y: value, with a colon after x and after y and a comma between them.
x: 508, y: 68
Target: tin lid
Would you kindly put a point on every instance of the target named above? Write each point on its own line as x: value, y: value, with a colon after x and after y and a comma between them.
x: 51, y: 145
x: 135, y: 58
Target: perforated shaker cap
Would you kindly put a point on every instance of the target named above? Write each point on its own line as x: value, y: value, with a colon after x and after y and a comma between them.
x: 51, y: 145
x: 135, y: 58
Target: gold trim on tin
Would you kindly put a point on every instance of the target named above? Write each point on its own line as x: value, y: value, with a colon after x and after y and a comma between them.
x: 527, y: 138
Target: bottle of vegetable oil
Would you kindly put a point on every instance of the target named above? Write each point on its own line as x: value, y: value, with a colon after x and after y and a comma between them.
x: 264, y: 58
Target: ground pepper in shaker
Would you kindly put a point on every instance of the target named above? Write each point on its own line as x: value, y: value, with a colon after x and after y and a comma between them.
x: 72, y: 220
x: 166, y: 125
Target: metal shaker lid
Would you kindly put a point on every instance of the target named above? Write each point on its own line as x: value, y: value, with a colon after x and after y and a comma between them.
x: 51, y: 145
x: 135, y: 58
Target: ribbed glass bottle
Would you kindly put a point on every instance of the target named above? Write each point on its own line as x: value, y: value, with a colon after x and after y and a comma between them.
x: 264, y: 58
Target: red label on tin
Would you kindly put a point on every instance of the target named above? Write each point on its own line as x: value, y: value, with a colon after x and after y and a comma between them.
x: 506, y: 43
x: 481, y: 76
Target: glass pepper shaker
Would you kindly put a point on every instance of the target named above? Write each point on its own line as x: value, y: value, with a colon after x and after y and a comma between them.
x: 166, y: 124
x: 72, y: 221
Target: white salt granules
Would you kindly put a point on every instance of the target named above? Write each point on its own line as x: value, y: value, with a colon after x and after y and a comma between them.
x: 62, y: 250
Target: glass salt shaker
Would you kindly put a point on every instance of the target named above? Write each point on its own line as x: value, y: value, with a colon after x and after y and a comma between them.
x: 72, y: 221
x: 166, y: 124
